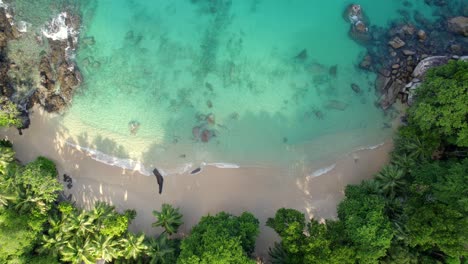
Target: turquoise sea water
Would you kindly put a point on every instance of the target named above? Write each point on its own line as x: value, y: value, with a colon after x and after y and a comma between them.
x: 169, y: 65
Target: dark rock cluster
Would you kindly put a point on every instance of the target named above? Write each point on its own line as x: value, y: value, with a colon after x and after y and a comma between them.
x: 394, y: 53
x: 59, y: 76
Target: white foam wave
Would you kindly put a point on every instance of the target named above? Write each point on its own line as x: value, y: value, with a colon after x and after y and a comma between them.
x: 322, y: 171
x: 3, y: 5
x: 57, y: 29
x: 128, y: 164
x: 182, y: 169
x: 372, y: 147
x: 222, y: 165
x: 23, y: 26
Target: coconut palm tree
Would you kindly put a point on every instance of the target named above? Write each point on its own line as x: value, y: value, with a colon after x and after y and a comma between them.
x: 371, y: 186
x: 54, y: 241
x: 416, y: 149
x: 105, y: 248
x: 159, y: 249
x: 7, y: 155
x: 7, y: 194
x: 133, y: 246
x: 82, y: 224
x: 169, y: 218
x: 403, y: 161
x: 78, y: 252
x: 391, y: 180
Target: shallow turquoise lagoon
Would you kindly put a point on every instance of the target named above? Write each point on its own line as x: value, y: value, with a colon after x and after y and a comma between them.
x: 232, y: 68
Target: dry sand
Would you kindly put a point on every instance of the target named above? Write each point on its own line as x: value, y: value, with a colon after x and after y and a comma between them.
x: 259, y: 190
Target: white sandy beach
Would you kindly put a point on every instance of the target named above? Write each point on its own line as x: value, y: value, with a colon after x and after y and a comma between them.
x: 259, y: 190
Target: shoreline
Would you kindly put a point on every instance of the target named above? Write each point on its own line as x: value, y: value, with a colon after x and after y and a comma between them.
x: 259, y: 190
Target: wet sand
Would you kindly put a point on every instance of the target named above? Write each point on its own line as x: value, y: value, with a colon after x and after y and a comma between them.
x: 259, y: 190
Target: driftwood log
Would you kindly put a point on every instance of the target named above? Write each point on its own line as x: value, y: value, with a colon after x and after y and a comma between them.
x: 159, y: 178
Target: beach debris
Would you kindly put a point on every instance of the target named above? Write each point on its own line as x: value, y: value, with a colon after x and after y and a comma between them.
x: 68, y: 180
x: 196, y: 171
x: 159, y: 179
x: 301, y: 55
x: 133, y: 126
x: 356, y: 88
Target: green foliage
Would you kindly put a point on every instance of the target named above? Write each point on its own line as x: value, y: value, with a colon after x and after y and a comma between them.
x: 9, y: 114
x: 18, y: 235
x: 87, y: 236
x: 437, y: 210
x: 312, y: 243
x: 27, y: 194
x: 169, y: 218
x: 162, y: 250
x: 390, y: 179
x: 223, y: 238
x: 441, y: 106
x: 415, y: 144
x: 366, y: 225
x: 290, y: 226
x: 7, y: 155
x: 37, y: 186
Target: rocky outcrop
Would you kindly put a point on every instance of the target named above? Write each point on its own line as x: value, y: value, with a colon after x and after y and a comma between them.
x: 430, y: 62
x: 59, y: 77
x: 390, y: 90
x: 359, y: 30
x: 7, y: 90
x: 405, y: 51
x: 59, y: 74
x: 459, y: 25
x: 396, y: 43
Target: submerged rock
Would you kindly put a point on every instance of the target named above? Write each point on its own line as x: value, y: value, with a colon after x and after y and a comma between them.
x: 366, y: 62
x: 355, y: 88
x: 302, y: 55
x: 359, y: 30
x: 54, y: 103
x: 337, y: 105
x: 396, y: 43
x: 88, y: 41
x: 333, y: 70
x: 422, y: 35
x: 459, y: 25
x: 206, y: 135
